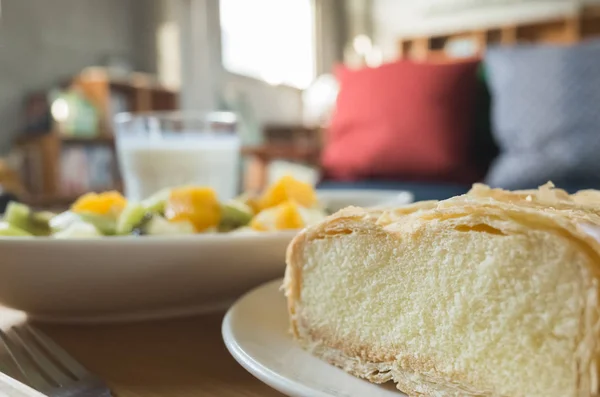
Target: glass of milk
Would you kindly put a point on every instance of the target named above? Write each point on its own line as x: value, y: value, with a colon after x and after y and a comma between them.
x: 158, y: 150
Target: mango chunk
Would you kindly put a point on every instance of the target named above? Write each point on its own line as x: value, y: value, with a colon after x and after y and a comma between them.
x: 285, y: 216
x: 289, y: 217
x: 197, y: 205
x: 107, y: 203
x: 288, y: 189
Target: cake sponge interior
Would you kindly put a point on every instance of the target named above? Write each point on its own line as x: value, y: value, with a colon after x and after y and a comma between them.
x: 472, y: 308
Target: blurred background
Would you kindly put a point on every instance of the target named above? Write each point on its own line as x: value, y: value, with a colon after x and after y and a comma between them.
x: 428, y: 96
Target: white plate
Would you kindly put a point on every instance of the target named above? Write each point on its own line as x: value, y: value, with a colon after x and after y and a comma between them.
x: 256, y: 333
x: 338, y: 199
x: 139, y: 278
x: 11, y: 387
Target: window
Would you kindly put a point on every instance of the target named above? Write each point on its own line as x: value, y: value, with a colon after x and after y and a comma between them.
x: 271, y: 40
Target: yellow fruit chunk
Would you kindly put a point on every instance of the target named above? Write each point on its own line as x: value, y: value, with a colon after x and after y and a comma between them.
x: 107, y: 203
x: 288, y: 189
x: 198, y: 205
x: 288, y: 217
x: 282, y: 217
x: 258, y: 226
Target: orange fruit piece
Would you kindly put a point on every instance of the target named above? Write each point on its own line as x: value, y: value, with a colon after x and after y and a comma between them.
x: 285, y: 216
x: 197, y: 205
x: 288, y: 217
x: 257, y: 225
x: 108, y: 203
x: 288, y: 189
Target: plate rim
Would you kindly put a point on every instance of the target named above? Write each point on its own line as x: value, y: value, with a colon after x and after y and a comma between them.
x: 133, y: 317
x: 204, y: 237
x: 256, y: 369
x: 287, y: 383
x: 366, y: 192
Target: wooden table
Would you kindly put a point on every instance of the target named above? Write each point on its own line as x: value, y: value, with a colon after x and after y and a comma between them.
x: 181, y: 358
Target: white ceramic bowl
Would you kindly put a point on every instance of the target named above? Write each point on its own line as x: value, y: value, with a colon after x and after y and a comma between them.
x: 134, y: 278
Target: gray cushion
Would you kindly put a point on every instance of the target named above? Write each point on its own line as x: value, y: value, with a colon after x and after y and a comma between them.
x: 545, y: 114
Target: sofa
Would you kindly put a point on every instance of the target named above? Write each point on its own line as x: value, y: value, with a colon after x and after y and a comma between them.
x: 532, y: 113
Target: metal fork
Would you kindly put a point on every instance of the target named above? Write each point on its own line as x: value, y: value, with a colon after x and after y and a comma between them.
x: 46, y: 367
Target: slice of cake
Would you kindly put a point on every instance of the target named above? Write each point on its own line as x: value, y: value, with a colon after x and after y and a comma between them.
x: 493, y: 293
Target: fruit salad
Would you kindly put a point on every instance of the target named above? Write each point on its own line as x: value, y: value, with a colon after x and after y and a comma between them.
x: 285, y: 205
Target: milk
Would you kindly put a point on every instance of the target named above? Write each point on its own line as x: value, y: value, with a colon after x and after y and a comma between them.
x: 149, y: 165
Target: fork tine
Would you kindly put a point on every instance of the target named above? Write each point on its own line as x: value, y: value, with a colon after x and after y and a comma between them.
x: 61, y: 356
x: 25, y: 365
x: 52, y: 370
x: 7, y: 364
x: 8, y: 367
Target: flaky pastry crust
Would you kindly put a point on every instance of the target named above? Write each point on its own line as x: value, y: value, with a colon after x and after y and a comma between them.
x: 576, y: 216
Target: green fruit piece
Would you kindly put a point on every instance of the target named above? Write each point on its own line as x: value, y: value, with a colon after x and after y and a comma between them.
x: 17, y: 215
x: 42, y: 217
x: 39, y: 222
x: 78, y: 230
x: 157, y: 202
x: 131, y: 217
x: 245, y: 199
x: 62, y: 221
x: 234, y: 214
x: 21, y: 216
x: 8, y: 230
x: 106, y: 225
x: 158, y: 225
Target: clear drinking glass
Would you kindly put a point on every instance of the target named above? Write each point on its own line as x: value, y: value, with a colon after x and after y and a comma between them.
x: 159, y: 150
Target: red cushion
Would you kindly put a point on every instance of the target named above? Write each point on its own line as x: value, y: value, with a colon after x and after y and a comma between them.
x: 403, y: 120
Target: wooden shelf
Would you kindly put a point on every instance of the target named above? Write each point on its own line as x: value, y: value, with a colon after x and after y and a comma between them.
x: 104, y: 139
x: 42, y: 167
x: 570, y: 28
x: 98, y: 140
x: 46, y: 201
x: 141, y: 91
x: 56, y: 167
x: 49, y: 201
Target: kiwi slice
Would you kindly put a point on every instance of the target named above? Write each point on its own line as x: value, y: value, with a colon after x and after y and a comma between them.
x: 40, y: 222
x: 17, y: 215
x: 158, y: 225
x: 78, y: 230
x: 8, y: 230
x: 106, y: 225
x: 157, y: 202
x: 42, y: 217
x: 130, y: 218
x: 234, y: 214
x: 22, y: 217
x: 62, y: 221
x: 247, y: 199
